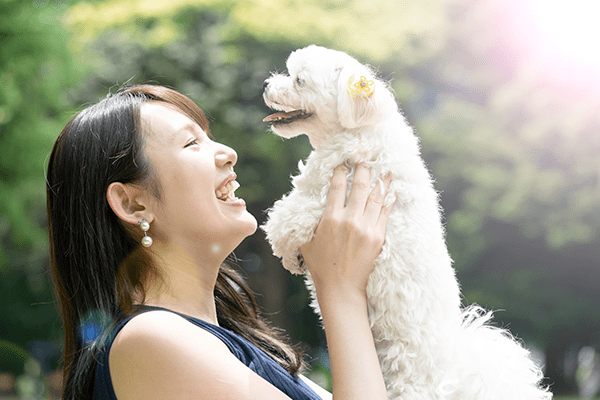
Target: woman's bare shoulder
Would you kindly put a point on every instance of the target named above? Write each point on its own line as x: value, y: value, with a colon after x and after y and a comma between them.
x: 162, y: 325
x: 159, y: 354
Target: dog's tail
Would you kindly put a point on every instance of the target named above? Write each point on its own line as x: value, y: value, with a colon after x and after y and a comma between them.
x: 496, y: 365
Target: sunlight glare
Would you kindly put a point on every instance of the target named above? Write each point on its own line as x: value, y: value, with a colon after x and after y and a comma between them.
x: 568, y: 29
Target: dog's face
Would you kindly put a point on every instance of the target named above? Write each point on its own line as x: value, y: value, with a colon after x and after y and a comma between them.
x: 326, y: 91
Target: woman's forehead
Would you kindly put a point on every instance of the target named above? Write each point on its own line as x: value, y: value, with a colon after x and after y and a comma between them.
x: 164, y: 122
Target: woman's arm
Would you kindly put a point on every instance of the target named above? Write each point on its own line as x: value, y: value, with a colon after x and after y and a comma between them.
x: 340, y: 258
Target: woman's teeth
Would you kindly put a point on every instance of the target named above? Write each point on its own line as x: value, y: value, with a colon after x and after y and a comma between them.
x: 226, y: 192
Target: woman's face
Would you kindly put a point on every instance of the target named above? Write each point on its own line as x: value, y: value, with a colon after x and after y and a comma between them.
x: 197, y: 209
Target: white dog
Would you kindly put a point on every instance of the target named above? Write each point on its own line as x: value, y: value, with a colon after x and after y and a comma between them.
x: 428, y: 347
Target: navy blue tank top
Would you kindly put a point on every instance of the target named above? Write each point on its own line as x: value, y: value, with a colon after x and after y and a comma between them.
x: 254, y: 358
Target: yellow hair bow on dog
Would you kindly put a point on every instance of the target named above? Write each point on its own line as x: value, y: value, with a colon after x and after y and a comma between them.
x: 361, y: 87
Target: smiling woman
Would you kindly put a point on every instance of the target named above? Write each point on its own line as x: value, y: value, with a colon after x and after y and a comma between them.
x: 166, y: 176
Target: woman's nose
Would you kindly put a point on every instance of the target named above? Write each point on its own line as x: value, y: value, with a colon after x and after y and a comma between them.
x: 225, y: 156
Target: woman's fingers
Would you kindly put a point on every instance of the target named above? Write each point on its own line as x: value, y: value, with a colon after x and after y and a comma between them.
x: 361, y: 186
x: 362, y: 200
x: 336, y: 198
x: 383, y: 217
x: 374, y: 205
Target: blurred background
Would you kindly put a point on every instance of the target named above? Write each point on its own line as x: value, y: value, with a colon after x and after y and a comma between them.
x: 503, y: 93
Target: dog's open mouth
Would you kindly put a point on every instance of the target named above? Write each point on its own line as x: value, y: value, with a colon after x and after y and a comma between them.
x: 287, y: 117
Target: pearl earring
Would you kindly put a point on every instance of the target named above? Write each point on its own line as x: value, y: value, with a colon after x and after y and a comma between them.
x: 146, y: 240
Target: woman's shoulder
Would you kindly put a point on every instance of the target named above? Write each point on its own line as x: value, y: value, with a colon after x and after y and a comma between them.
x: 160, y: 354
x: 158, y: 346
x: 159, y: 324
x: 161, y: 327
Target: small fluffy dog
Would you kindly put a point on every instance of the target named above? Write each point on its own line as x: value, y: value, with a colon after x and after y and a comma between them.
x: 428, y: 346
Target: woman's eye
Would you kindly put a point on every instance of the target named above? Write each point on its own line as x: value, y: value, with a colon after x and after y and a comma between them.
x: 193, y: 142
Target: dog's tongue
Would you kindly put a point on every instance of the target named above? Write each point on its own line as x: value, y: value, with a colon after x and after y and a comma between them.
x: 278, y: 116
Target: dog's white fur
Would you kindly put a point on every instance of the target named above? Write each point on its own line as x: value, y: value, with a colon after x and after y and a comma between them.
x: 429, y: 348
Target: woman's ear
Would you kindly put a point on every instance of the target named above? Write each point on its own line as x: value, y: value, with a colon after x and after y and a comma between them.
x: 128, y: 202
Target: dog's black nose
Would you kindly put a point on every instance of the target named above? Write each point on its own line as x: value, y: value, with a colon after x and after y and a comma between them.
x: 265, y: 84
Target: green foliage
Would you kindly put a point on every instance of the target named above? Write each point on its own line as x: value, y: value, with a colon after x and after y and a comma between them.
x: 12, y: 358
x: 376, y: 29
x: 36, y: 72
x: 573, y: 398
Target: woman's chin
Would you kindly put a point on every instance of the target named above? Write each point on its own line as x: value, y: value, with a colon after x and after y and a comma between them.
x: 250, y: 223
x: 245, y: 225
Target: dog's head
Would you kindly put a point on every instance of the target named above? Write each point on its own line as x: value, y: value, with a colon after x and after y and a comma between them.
x: 325, y: 91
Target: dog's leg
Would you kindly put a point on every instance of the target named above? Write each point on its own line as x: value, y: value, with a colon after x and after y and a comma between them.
x: 291, y: 223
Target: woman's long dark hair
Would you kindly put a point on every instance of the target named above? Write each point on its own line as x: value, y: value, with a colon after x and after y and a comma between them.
x: 98, y: 266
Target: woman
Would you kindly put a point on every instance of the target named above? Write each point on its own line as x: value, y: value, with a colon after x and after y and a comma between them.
x: 142, y: 215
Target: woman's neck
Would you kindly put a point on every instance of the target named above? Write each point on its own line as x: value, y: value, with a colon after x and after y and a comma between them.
x: 188, y: 283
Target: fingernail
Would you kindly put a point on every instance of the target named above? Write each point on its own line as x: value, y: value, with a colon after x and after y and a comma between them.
x: 381, y: 187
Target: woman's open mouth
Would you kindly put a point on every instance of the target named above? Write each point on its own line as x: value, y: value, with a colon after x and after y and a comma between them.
x: 227, y: 192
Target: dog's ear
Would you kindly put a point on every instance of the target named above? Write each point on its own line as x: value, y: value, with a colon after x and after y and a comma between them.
x: 362, y: 98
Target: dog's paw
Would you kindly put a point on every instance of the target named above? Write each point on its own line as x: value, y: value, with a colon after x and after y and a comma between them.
x: 295, y: 263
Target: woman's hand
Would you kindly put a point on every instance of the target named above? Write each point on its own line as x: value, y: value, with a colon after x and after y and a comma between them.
x: 340, y: 258
x: 349, y: 236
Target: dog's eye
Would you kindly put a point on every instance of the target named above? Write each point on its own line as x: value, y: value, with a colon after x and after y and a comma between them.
x: 300, y: 81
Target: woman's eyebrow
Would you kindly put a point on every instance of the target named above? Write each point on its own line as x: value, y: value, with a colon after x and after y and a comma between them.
x: 190, y: 127
x: 196, y: 129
